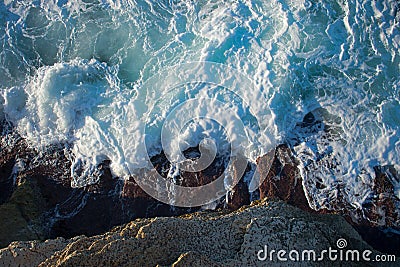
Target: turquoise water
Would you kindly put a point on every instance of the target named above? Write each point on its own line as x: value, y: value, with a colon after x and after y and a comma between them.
x: 79, y: 72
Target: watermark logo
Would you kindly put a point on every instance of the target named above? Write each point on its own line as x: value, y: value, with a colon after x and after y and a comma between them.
x: 341, y: 243
x: 330, y: 254
x: 211, y: 106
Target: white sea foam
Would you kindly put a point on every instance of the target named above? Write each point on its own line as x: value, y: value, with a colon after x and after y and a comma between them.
x: 74, y: 72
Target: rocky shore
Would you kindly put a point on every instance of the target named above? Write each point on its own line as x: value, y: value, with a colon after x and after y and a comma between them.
x: 38, y: 203
x: 199, y: 239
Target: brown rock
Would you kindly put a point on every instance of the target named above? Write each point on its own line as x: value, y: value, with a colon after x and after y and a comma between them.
x: 67, y: 212
x: 132, y: 190
x: 383, y: 209
x: 239, y: 196
x: 282, y: 180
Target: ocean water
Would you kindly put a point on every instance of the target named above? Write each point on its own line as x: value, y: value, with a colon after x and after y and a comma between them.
x: 122, y: 80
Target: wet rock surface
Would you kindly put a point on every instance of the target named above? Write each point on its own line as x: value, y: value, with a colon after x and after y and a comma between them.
x: 39, y: 183
x: 6, y: 179
x: 282, y: 181
x: 37, y: 201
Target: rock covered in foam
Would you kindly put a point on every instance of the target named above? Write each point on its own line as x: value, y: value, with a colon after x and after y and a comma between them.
x: 40, y: 203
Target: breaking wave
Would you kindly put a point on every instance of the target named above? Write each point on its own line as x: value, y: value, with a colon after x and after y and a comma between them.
x: 76, y: 72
